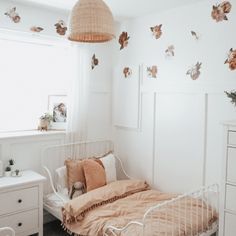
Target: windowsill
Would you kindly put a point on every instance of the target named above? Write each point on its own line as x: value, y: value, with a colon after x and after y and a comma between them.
x: 29, y: 133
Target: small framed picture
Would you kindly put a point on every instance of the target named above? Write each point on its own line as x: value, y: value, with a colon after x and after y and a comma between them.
x: 57, y: 106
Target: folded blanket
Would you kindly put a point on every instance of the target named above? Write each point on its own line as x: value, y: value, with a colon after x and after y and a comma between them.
x: 76, y: 209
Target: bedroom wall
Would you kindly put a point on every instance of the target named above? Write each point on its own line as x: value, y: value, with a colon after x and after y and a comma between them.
x: 32, y: 15
x: 168, y: 130
x: 26, y: 148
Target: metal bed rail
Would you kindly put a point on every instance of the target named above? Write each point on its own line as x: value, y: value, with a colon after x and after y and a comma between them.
x: 54, y: 156
x: 173, y: 216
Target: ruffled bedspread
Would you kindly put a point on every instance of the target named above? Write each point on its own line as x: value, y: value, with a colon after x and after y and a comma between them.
x: 120, y: 202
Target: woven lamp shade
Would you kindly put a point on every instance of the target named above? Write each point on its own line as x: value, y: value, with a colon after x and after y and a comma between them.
x: 91, y: 21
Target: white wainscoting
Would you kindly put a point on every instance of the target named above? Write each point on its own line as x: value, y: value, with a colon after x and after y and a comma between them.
x: 26, y: 149
x: 135, y: 147
x: 179, y: 141
x: 126, y: 98
x: 179, y: 147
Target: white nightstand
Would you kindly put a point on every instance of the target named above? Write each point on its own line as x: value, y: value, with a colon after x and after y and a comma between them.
x: 21, y: 203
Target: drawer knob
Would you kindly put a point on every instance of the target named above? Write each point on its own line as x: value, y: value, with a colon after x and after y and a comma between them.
x: 20, y: 201
x: 19, y: 224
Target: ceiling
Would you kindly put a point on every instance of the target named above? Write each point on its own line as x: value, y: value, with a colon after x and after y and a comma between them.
x: 121, y: 8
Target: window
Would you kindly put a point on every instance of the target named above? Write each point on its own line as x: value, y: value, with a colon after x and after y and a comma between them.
x: 29, y: 72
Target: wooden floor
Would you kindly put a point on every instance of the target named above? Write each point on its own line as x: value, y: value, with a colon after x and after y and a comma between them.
x: 53, y: 228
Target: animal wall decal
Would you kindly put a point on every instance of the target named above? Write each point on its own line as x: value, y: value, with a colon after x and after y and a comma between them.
x: 36, y: 29
x: 124, y: 40
x: 170, y: 51
x: 231, y: 60
x: 156, y: 31
x: 13, y: 15
x: 195, y: 72
x: 195, y: 35
x: 220, y: 11
x: 61, y: 27
x: 127, y: 72
x: 152, y: 72
x: 94, y: 61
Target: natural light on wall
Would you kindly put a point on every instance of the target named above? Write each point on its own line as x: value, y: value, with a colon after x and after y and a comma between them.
x: 29, y: 73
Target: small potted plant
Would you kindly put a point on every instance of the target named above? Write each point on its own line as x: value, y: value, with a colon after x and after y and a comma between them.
x: 11, y: 162
x: 17, y: 172
x: 8, y: 171
x: 45, y: 121
x: 232, y: 96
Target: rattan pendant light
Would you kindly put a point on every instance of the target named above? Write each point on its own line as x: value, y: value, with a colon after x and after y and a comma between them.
x: 91, y: 21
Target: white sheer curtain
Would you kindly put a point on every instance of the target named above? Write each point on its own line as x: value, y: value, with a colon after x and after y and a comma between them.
x: 79, y: 94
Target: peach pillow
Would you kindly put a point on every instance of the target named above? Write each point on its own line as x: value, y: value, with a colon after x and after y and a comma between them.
x: 75, y: 172
x: 94, y: 173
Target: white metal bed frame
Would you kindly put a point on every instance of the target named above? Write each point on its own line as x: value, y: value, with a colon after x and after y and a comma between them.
x: 203, y: 194
x: 87, y: 149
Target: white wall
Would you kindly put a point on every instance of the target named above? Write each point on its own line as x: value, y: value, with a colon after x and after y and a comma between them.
x: 32, y: 16
x: 99, y: 113
x: 167, y: 131
x: 171, y: 133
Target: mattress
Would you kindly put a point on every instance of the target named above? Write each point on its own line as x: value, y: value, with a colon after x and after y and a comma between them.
x: 53, y: 203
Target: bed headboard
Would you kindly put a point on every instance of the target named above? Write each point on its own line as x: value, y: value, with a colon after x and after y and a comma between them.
x: 54, y: 157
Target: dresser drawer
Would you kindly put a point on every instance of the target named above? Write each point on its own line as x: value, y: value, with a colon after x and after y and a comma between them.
x: 230, y: 225
x: 18, y: 200
x: 230, y: 198
x: 21, y: 222
x: 232, y: 138
x: 231, y: 165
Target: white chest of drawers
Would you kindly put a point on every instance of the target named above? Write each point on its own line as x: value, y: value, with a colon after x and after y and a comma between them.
x: 21, y: 203
x: 228, y: 186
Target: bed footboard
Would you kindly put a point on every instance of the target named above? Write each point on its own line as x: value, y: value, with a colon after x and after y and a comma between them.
x: 114, y: 231
x: 190, y: 214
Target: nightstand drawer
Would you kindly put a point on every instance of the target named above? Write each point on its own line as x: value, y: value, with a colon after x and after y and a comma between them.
x: 18, y: 200
x: 230, y: 198
x: 21, y: 222
x: 230, y: 226
x: 232, y: 138
x: 231, y: 165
